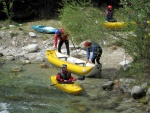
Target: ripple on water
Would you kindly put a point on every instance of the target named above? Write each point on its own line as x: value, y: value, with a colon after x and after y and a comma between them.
x: 3, y: 108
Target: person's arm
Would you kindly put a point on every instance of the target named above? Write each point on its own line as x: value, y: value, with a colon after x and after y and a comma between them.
x: 58, y: 78
x: 55, y: 41
x: 87, y: 54
x: 71, y: 78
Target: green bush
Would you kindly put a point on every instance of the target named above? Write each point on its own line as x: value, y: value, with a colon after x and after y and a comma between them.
x: 82, y: 20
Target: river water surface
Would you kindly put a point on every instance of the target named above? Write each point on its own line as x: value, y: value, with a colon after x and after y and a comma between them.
x: 30, y: 91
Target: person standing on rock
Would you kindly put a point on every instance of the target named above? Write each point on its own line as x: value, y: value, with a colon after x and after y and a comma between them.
x: 63, y: 38
x: 96, y: 50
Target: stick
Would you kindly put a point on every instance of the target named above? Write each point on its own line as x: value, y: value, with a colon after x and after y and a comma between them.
x: 74, y: 46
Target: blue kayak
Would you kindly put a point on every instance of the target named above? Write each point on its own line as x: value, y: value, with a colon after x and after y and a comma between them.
x: 44, y: 29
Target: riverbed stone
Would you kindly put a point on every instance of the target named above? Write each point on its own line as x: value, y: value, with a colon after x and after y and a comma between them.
x: 108, y: 85
x: 137, y: 92
x: 31, y: 48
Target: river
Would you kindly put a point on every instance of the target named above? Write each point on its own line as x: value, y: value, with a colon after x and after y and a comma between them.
x: 29, y: 91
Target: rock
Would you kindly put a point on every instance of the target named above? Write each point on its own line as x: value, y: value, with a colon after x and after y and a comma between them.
x: 129, y: 81
x: 26, y: 62
x: 125, y: 64
x: 148, y: 92
x: 108, y: 85
x: 10, y: 58
x: 123, y: 88
x: 32, y: 34
x: 31, y: 48
x: 11, y: 26
x: 1, y: 54
x: 144, y: 85
x: 137, y: 92
x: 43, y: 65
x: 16, y: 69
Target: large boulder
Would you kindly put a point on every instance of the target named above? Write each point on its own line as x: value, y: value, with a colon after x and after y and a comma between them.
x: 137, y: 92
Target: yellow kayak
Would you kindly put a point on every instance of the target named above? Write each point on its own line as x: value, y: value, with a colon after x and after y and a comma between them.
x: 74, y: 65
x: 115, y: 25
x: 73, y: 87
x: 118, y: 25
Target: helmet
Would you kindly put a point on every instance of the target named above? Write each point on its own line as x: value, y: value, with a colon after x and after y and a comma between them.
x: 64, y: 66
x: 57, y: 32
x: 87, y: 43
x: 109, y: 7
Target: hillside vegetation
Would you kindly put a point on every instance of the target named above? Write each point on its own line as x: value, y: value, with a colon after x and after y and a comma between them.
x: 83, y: 21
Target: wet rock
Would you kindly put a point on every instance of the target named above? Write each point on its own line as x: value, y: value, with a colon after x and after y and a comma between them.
x: 108, y: 85
x: 26, y: 62
x: 137, y: 92
x: 10, y: 58
x: 123, y: 88
x: 16, y: 69
x: 43, y: 65
x: 1, y: 54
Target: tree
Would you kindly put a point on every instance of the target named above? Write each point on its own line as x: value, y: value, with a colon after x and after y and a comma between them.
x: 82, y: 20
x: 137, y: 12
x: 8, y: 9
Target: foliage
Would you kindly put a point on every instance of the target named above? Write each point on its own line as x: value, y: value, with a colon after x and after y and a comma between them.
x: 24, y: 10
x: 138, y: 45
x: 8, y: 9
x: 82, y: 20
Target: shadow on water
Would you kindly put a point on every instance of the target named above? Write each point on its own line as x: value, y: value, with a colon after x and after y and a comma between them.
x: 29, y: 91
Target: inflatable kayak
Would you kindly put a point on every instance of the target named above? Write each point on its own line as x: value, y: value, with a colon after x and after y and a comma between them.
x: 72, y: 87
x: 119, y: 25
x: 74, y: 65
x: 44, y: 29
x: 115, y: 25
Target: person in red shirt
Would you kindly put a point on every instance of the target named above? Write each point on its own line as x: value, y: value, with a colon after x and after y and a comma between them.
x: 64, y: 75
x: 63, y: 38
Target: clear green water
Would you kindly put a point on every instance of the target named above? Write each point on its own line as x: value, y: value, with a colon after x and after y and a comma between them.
x: 30, y: 91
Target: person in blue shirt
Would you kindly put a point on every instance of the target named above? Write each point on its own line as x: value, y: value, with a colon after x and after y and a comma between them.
x: 96, y: 50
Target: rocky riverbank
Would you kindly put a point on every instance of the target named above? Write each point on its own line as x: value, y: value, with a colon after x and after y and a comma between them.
x: 126, y: 95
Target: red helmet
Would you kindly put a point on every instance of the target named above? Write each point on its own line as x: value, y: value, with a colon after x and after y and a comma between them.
x: 109, y: 7
x: 87, y: 43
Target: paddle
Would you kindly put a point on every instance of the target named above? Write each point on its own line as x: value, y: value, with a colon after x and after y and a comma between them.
x: 79, y: 78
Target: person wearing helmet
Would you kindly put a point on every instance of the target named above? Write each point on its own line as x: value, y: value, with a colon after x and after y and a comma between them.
x: 64, y: 75
x: 63, y: 38
x: 96, y: 50
x: 109, y: 14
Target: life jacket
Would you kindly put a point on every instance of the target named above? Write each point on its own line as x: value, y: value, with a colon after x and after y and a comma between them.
x: 65, y: 75
x: 97, y: 50
x: 108, y: 14
x: 64, y: 36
